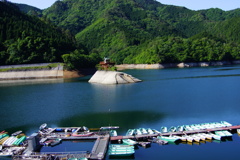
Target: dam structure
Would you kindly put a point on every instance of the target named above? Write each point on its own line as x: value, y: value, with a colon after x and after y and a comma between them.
x: 31, y: 71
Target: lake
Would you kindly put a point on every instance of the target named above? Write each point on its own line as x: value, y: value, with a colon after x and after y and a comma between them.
x: 166, y: 97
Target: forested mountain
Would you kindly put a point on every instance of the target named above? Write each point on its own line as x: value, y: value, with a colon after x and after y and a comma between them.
x: 127, y: 31
x: 29, y: 9
x: 27, y: 39
x: 146, y: 31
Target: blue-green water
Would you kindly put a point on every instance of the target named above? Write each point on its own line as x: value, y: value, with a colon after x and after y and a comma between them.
x: 166, y: 97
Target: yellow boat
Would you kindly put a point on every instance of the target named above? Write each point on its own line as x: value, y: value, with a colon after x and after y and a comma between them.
x: 3, y: 140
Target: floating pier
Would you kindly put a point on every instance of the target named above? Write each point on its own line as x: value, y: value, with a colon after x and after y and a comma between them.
x: 175, y: 133
x: 101, y: 137
x: 100, y: 148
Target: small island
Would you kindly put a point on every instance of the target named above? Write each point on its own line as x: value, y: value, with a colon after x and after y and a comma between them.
x: 107, y: 74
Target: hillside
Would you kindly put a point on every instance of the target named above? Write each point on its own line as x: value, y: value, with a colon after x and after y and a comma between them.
x: 29, y: 9
x: 146, y: 31
x: 27, y: 39
x: 127, y: 31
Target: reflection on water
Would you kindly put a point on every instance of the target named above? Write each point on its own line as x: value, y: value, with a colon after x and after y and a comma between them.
x: 70, y: 146
x: 166, y: 97
x: 208, y: 76
x: 6, y: 83
x: 125, y: 119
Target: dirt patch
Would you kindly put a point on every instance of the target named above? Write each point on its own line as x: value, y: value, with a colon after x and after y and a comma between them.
x: 78, y: 73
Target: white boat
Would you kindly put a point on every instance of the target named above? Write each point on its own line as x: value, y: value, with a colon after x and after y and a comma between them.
x: 201, y: 136
x: 156, y: 131
x: 199, y: 127
x: 220, y: 133
x: 227, y: 133
x: 188, y: 128
x: 138, y: 132
x: 16, y: 133
x: 122, y: 150
x: 217, y: 137
x: 195, y: 138
x: 194, y: 127
x: 238, y: 131
x: 149, y: 130
x: 113, y: 133
x: 12, y: 141
x: 120, y: 146
x: 129, y: 142
x: 172, y: 129
x: 130, y: 132
x: 8, y: 141
x: 43, y: 126
x: 180, y: 128
x: 189, y: 139
x: 143, y: 130
x: 207, y: 136
x: 182, y: 138
x: 122, y: 153
x: 6, y: 153
x: 226, y: 123
x: 169, y: 139
x: 164, y: 129
x: 223, y: 133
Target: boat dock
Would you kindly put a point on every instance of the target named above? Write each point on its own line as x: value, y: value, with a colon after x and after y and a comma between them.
x: 52, y: 155
x: 101, y: 138
x: 175, y: 133
x: 100, y: 148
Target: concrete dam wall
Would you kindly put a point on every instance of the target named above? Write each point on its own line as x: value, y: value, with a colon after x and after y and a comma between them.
x: 56, y: 72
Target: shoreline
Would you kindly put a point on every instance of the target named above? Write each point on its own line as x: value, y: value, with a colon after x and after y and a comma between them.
x: 44, y: 74
x: 41, y: 71
x: 176, y: 65
x: 60, y: 73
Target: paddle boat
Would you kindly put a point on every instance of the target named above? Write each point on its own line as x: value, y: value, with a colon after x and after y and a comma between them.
x: 216, y: 137
x: 238, y: 131
x: 156, y: 131
x: 195, y: 138
x: 189, y: 139
x: 120, y: 146
x: 129, y: 142
x: 137, y: 132
x: 172, y: 129
x: 150, y: 131
x: 169, y: 139
x: 43, y: 126
x: 121, y: 150
x: 113, y: 133
x: 143, y: 130
x: 180, y: 128
x: 164, y: 129
x: 121, y: 153
x: 16, y: 133
x: 130, y: 132
x: 226, y: 123
x: 56, y: 142
x: 83, y: 134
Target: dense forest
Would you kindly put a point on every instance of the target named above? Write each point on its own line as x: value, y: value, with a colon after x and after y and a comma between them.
x: 29, y: 39
x: 80, y: 33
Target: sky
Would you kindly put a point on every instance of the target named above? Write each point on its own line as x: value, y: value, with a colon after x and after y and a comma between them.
x: 190, y: 4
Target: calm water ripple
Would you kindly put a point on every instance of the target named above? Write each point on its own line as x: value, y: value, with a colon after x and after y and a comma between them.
x: 166, y: 97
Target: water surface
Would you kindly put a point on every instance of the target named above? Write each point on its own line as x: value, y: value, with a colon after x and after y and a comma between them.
x: 166, y: 97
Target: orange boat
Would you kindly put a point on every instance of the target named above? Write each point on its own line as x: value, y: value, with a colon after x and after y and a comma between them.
x: 82, y: 134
